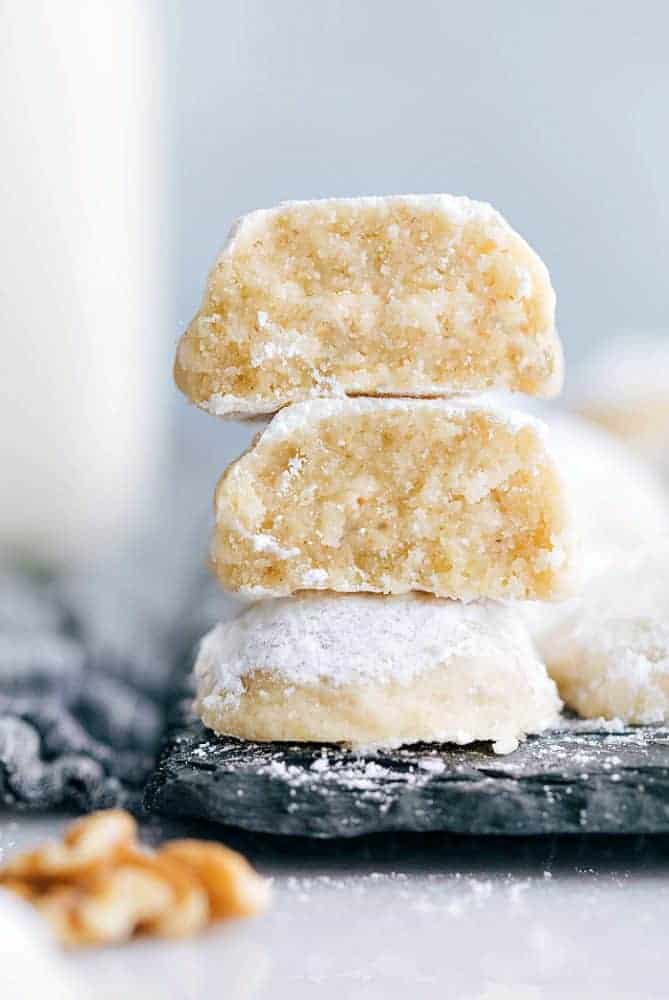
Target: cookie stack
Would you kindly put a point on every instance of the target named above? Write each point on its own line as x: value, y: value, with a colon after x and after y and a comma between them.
x: 386, y: 520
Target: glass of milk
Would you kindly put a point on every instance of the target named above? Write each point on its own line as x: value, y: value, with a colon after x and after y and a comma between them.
x: 84, y: 312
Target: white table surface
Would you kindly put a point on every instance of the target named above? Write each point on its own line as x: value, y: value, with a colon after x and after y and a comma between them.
x: 470, y: 919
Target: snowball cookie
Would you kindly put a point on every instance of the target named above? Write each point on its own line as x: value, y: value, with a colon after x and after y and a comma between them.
x: 451, y: 497
x: 617, y: 499
x: 416, y: 295
x: 610, y: 655
x: 369, y: 670
x: 619, y: 502
x: 624, y: 388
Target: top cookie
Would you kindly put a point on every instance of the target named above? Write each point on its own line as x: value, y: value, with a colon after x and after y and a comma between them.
x: 412, y: 295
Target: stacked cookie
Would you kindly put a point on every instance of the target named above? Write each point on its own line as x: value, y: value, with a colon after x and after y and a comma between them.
x: 386, y: 519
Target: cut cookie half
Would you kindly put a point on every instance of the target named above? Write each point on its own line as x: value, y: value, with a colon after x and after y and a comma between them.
x: 416, y: 295
x: 450, y: 497
x: 372, y: 671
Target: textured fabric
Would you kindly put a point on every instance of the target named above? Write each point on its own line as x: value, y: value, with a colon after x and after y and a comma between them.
x: 84, y: 670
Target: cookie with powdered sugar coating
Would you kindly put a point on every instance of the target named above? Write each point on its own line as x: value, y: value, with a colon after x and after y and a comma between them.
x: 369, y: 670
x: 610, y: 655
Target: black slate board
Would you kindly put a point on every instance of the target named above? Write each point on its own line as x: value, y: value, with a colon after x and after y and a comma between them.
x: 568, y: 781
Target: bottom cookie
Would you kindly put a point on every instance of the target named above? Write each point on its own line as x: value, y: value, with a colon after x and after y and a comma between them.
x: 367, y: 670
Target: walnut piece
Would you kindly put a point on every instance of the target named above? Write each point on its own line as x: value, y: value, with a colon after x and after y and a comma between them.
x: 100, y: 886
x: 91, y: 841
x: 233, y: 887
x: 110, y: 906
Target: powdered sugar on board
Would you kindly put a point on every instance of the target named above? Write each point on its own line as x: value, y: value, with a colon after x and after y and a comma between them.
x: 577, y: 779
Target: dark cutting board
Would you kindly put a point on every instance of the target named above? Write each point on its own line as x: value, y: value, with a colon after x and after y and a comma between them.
x: 571, y: 780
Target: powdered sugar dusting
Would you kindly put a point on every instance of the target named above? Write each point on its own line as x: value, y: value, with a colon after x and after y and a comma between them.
x: 356, y: 638
x: 596, y: 775
x: 610, y: 654
x: 458, y: 208
x: 305, y: 414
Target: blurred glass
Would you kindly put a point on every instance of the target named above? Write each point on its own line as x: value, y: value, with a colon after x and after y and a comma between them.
x: 85, y: 314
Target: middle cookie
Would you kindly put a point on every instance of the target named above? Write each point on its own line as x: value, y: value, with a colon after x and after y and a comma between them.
x: 453, y: 497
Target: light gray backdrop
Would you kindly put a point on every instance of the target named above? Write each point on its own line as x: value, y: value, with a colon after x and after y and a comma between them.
x: 557, y: 113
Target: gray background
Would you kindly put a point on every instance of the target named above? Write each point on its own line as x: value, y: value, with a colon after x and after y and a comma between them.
x: 555, y: 113
x: 134, y: 132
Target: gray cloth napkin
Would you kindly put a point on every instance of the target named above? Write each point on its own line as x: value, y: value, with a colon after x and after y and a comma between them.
x: 85, y: 671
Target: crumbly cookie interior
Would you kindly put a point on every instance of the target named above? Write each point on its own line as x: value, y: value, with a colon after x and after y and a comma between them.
x: 400, y: 296
x: 418, y: 497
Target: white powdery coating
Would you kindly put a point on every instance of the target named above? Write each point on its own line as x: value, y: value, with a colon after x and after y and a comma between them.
x: 346, y: 639
x: 611, y: 655
x: 619, y: 501
x: 268, y: 543
x: 237, y: 407
x: 300, y: 416
x: 457, y: 208
x: 248, y: 408
x: 619, y: 505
